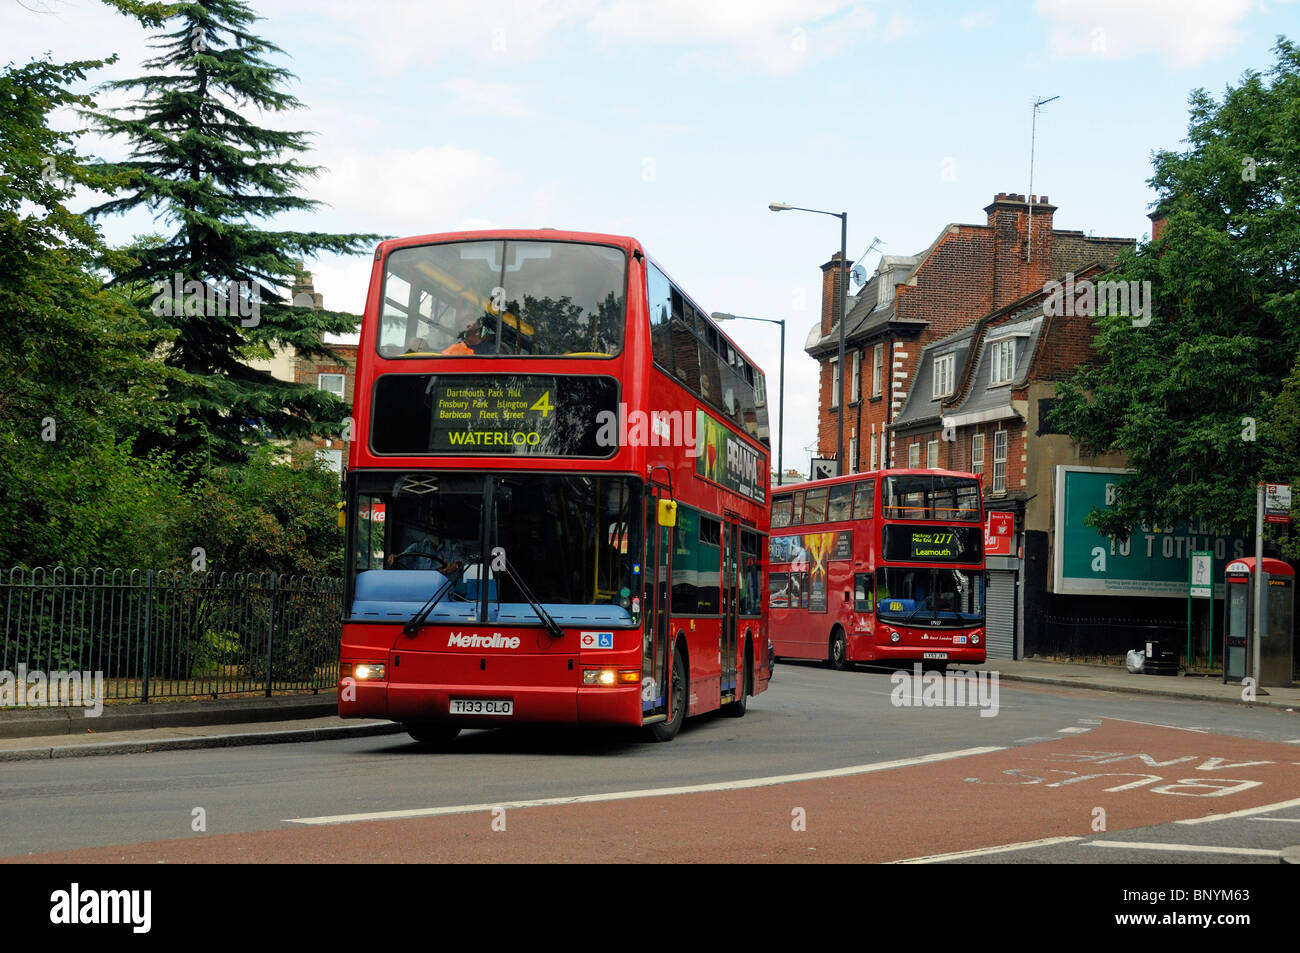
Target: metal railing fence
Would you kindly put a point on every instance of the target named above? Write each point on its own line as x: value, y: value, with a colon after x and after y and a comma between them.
x: 157, y: 634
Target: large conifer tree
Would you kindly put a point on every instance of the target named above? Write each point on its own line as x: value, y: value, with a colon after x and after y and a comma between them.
x: 214, y: 176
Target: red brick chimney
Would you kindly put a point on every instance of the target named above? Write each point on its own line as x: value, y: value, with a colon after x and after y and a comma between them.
x: 832, y: 275
x: 1019, y: 266
x: 1158, y: 220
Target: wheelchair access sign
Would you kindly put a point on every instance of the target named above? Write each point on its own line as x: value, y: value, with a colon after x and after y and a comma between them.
x: 596, y: 640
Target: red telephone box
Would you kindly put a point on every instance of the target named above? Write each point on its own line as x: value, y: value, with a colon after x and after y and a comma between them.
x: 1275, y: 644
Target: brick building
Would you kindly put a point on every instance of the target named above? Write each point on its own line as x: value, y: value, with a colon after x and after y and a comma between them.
x: 967, y: 273
x: 953, y: 364
x: 334, y: 375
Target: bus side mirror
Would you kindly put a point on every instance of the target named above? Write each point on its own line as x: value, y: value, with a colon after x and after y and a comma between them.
x: 668, y: 513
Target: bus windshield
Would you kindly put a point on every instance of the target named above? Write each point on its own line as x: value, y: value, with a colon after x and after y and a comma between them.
x: 930, y: 496
x: 509, y: 298
x: 570, y: 540
x: 929, y: 595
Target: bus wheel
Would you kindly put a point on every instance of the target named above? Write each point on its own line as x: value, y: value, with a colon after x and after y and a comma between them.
x: 839, y: 652
x: 431, y: 733
x: 667, y: 730
x: 737, y: 708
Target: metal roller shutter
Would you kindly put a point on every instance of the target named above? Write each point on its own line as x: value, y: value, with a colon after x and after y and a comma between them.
x: 1000, y: 615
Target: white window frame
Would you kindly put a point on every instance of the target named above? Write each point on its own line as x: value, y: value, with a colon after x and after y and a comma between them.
x: 856, y: 382
x: 884, y: 449
x: 874, y: 447
x: 1003, y: 358
x: 932, y: 455
x: 1000, y: 461
x: 331, y: 458
x: 835, y: 383
x: 944, y: 373
x: 977, y: 453
x: 853, y: 454
x: 914, y: 456
x: 877, y: 367
x: 341, y: 393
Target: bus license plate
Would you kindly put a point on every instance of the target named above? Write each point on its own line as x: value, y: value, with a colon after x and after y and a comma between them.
x: 936, y: 655
x: 482, y: 706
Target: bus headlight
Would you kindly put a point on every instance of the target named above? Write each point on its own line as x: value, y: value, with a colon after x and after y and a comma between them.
x: 369, y: 671
x: 607, y: 677
x: 894, y: 636
x: 975, y: 636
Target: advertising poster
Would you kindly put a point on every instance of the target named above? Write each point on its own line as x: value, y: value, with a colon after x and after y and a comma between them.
x: 726, y: 459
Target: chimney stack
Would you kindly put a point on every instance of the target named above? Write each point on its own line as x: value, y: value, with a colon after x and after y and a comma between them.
x: 1158, y: 220
x: 832, y: 275
x: 1009, y: 216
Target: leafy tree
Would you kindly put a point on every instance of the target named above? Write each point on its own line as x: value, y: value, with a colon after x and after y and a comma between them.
x: 264, y: 516
x: 76, y: 380
x: 1192, y: 397
x: 202, y: 166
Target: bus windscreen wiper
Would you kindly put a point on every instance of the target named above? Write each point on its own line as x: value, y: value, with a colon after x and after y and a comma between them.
x: 924, y: 602
x: 548, y: 623
x: 413, y: 624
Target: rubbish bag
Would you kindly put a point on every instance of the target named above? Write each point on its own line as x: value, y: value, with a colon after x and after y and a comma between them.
x: 1136, y: 660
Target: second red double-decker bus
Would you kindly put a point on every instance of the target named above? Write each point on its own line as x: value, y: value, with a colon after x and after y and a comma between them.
x: 886, y: 566
x: 556, y: 492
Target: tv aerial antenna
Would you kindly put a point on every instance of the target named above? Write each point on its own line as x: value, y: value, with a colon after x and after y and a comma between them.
x: 1033, y: 135
x: 857, y: 272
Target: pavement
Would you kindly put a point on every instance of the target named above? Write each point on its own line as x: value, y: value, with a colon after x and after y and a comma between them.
x: 136, y: 728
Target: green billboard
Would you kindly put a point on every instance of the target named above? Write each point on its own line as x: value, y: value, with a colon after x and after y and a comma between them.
x: 1153, y: 561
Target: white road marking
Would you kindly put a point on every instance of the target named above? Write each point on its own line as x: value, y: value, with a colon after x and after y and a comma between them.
x: 1280, y: 820
x: 1152, y: 724
x: 984, y: 851
x: 1185, y: 848
x: 1071, y: 731
x: 648, y: 792
x: 1244, y: 812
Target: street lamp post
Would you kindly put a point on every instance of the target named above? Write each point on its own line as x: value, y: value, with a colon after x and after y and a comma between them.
x: 844, y: 292
x: 780, y: 427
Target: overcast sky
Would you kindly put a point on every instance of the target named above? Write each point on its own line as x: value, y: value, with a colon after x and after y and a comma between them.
x: 678, y: 121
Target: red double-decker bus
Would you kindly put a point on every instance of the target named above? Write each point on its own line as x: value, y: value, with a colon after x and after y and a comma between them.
x: 885, y: 566
x: 556, y: 492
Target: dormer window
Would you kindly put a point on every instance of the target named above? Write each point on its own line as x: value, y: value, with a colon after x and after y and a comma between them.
x: 944, y: 375
x: 1003, y: 356
x: 884, y: 287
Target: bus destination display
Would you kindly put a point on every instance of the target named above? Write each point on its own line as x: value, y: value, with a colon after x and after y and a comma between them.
x: 533, y: 414
x: 957, y: 544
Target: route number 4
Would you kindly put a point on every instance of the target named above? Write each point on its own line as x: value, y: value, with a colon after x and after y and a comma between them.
x: 543, y: 404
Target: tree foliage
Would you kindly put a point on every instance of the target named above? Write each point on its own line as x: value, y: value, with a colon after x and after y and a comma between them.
x: 76, y: 381
x: 1196, y: 398
x: 266, y: 516
x: 213, y: 175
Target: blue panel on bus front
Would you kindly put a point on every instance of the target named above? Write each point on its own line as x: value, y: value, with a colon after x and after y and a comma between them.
x: 399, y: 593
x: 563, y: 614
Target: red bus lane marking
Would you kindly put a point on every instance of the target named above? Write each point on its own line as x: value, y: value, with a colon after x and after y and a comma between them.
x: 894, y: 814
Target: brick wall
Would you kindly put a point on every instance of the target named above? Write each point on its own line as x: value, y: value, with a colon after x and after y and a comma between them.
x: 307, y: 370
